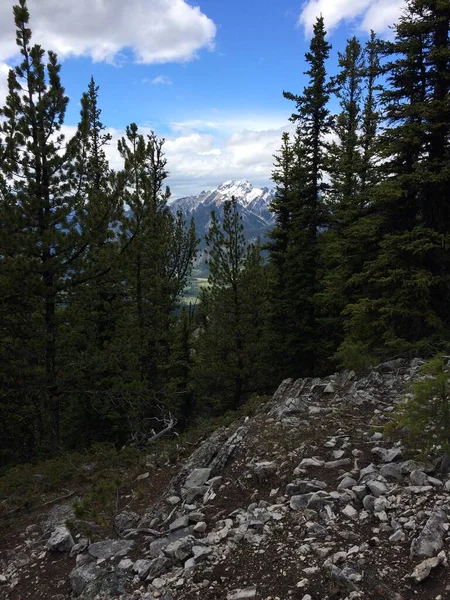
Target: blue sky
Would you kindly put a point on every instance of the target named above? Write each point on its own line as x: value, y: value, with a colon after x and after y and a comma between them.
x: 207, y: 75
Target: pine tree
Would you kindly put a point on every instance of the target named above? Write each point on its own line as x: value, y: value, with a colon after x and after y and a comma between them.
x: 156, y: 267
x: 230, y: 346
x: 404, y: 304
x: 94, y: 298
x: 306, y: 209
x: 351, y: 168
x: 41, y: 238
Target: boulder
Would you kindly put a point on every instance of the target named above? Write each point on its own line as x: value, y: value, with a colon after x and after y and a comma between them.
x: 60, y: 540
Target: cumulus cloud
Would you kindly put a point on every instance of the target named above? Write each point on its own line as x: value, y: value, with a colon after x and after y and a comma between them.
x: 162, y: 80
x: 198, y: 160
x: 378, y: 15
x: 155, y: 31
x: 4, y: 70
x: 201, y: 161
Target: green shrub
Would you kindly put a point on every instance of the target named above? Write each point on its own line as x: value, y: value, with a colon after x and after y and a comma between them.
x: 354, y: 356
x: 425, y: 412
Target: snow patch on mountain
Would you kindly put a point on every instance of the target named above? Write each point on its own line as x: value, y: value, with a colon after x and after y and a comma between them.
x: 253, y: 205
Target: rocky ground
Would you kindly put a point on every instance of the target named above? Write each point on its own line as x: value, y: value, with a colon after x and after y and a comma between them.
x: 306, y: 500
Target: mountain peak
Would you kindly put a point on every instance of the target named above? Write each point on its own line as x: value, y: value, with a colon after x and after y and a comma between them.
x: 253, y: 205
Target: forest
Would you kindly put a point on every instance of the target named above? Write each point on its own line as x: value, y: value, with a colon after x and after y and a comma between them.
x: 96, y: 344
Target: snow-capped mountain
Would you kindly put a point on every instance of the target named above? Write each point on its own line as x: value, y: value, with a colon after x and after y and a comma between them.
x: 253, y: 206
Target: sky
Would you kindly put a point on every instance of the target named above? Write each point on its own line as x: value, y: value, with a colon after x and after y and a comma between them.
x: 206, y: 75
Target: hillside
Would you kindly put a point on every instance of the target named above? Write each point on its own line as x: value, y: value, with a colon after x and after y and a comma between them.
x: 306, y: 500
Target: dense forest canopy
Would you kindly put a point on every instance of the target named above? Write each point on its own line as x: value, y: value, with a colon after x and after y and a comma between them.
x: 95, y: 342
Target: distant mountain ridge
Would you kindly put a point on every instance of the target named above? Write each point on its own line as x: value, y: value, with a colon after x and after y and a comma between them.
x: 253, y: 204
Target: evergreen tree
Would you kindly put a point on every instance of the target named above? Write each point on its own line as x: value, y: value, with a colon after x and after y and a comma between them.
x: 230, y: 344
x: 351, y: 168
x: 43, y: 240
x: 405, y: 287
x: 94, y: 300
x: 306, y: 210
x: 156, y: 267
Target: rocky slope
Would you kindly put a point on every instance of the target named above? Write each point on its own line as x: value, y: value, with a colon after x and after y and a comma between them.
x: 306, y: 500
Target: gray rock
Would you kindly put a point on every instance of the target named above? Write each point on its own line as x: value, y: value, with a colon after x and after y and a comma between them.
x: 263, y: 470
x: 179, y: 523
x: 368, y: 473
x: 125, y: 564
x: 377, y: 488
x: 360, y: 491
x: 346, y: 483
x: 61, y: 540
x: 407, y: 466
x: 241, y: 594
x: 180, y: 550
x: 106, y: 586
x: 157, y: 546
x: 431, y: 538
x: 126, y: 520
x: 424, y: 568
x: 197, y: 478
x: 311, y: 462
x: 82, y: 575
x: 392, y: 471
x: 158, y: 566
x: 350, y: 511
x: 369, y: 503
x: 434, y: 481
x: 398, y: 536
x: 387, y: 456
x: 300, y: 501
x: 319, y: 499
x: 302, y: 486
x: 196, y: 517
x: 195, y: 492
x: 418, y: 477
x: 141, y: 568
x: 215, y: 481
x: 173, y: 500
x: 335, y: 464
x: 109, y: 548
x: 200, y: 527
x: 201, y: 552
x: 79, y: 547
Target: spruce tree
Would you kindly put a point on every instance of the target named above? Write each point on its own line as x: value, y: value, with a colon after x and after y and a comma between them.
x: 41, y: 240
x: 405, y: 287
x: 306, y: 209
x: 351, y: 168
x: 230, y: 345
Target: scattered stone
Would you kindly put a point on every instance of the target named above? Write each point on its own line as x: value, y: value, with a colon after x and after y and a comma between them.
x: 180, y: 550
x: 61, y: 540
x: 179, y: 523
x: 424, y: 568
x: 81, y: 576
x: 242, y: 594
x: 109, y: 548
x: 418, y: 477
x: 173, y: 500
x: 431, y: 538
x: 197, y: 478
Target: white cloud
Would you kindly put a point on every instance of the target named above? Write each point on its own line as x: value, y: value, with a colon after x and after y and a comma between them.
x: 197, y: 160
x: 210, y: 160
x: 162, y: 80
x: 4, y: 70
x: 367, y: 14
x: 156, y: 31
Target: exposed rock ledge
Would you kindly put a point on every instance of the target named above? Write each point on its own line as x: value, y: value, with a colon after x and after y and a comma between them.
x: 306, y: 500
